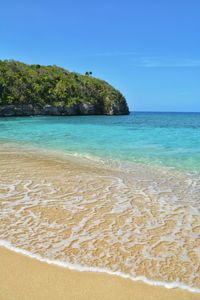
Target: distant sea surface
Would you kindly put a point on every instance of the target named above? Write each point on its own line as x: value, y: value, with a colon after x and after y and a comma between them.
x: 168, y: 139
x: 115, y: 194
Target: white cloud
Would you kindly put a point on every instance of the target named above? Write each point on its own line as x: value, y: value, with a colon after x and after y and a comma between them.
x: 159, y: 62
x: 116, y: 53
x: 149, y: 61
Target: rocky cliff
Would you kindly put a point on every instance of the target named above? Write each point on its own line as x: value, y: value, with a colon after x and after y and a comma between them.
x: 78, y: 109
x: 27, y: 90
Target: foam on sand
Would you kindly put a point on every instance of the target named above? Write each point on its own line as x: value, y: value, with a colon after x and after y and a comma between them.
x: 76, y: 267
x: 141, y: 223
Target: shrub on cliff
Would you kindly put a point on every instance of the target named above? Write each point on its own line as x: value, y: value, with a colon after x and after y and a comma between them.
x: 22, y: 84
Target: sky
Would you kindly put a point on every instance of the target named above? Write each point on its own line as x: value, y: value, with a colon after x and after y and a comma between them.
x: 148, y: 49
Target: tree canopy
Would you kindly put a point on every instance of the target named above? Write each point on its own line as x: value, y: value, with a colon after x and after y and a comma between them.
x: 38, y: 85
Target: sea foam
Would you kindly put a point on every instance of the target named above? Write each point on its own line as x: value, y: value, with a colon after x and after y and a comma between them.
x: 81, y: 268
x: 140, y: 223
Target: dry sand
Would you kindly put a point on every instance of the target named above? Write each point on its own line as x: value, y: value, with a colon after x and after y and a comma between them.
x: 23, y: 278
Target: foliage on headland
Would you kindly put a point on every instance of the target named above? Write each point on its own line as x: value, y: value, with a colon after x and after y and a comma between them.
x: 41, y: 86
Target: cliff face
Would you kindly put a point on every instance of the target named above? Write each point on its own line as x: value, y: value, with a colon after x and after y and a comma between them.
x: 27, y: 90
x: 78, y: 109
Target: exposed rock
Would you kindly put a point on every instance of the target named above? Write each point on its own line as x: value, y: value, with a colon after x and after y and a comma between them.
x: 50, y: 110
x: 70, y: 111
x: 7, y: 111
x: 50, y: 90
x: 117, y: 109
x: 80, y: 109
x: 27, y: 110
x: 87, y: 109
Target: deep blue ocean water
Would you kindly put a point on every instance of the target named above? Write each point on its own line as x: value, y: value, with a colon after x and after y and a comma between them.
x: 169, y: 139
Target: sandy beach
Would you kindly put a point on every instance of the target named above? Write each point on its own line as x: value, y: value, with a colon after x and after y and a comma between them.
x: 41, y: 209
x: 23, y: 278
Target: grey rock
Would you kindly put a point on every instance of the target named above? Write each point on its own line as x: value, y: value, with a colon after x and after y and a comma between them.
x: 71, y: 111
x: 87, y: 109
x: 51, y: 110
x: 78, y: 109
x: 7, y: 111
x: 27, y: 110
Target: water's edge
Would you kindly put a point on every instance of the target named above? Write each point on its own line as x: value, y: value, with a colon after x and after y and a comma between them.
x: 78, y: 267
x: 81, y: 268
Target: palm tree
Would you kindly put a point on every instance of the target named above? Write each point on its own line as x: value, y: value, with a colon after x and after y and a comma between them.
x: 88, y: 73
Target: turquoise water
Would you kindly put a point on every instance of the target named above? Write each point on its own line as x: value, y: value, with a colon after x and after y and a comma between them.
x: 144, y: 219
x: 169, y: 139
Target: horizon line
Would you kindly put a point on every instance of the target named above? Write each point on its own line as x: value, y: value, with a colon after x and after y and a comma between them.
x: 163, y: 111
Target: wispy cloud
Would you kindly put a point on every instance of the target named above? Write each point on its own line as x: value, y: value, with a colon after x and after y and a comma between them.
x: 159, y: 62
x: 116, y: 53
x: 144, y: 61
x: 141, y: 60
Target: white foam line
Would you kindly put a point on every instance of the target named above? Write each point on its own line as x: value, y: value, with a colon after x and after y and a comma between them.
x: 80, y: 268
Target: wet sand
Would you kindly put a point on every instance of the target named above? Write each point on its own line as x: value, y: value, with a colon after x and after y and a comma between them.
x: 23, y: 278
x: 77, y: 212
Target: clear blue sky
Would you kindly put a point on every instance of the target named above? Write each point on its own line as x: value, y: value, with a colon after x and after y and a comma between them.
x: 149, y: 49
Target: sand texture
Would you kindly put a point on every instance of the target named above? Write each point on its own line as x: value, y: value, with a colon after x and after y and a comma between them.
x: 23, y: 278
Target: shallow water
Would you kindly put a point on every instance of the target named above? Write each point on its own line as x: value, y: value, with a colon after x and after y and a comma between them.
x: 169, y: 139
x: 140, y: 220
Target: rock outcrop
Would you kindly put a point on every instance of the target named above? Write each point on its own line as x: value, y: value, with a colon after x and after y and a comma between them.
x: 50, y: 110
x: 27, y: 90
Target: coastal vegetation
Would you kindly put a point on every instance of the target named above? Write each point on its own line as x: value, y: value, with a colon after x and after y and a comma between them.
x: 35, y: 89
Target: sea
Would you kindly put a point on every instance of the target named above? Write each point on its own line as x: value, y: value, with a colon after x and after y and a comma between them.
x: 114, y: 194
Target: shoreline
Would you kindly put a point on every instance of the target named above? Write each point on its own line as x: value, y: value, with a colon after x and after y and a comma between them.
x: 32, y: 279
x: 83, y: 159
x: 44, y: 164
x: 85, y: 269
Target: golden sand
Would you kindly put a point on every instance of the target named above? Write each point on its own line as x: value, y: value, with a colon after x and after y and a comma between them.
x: 89, y: 214
x: 23, y: 278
